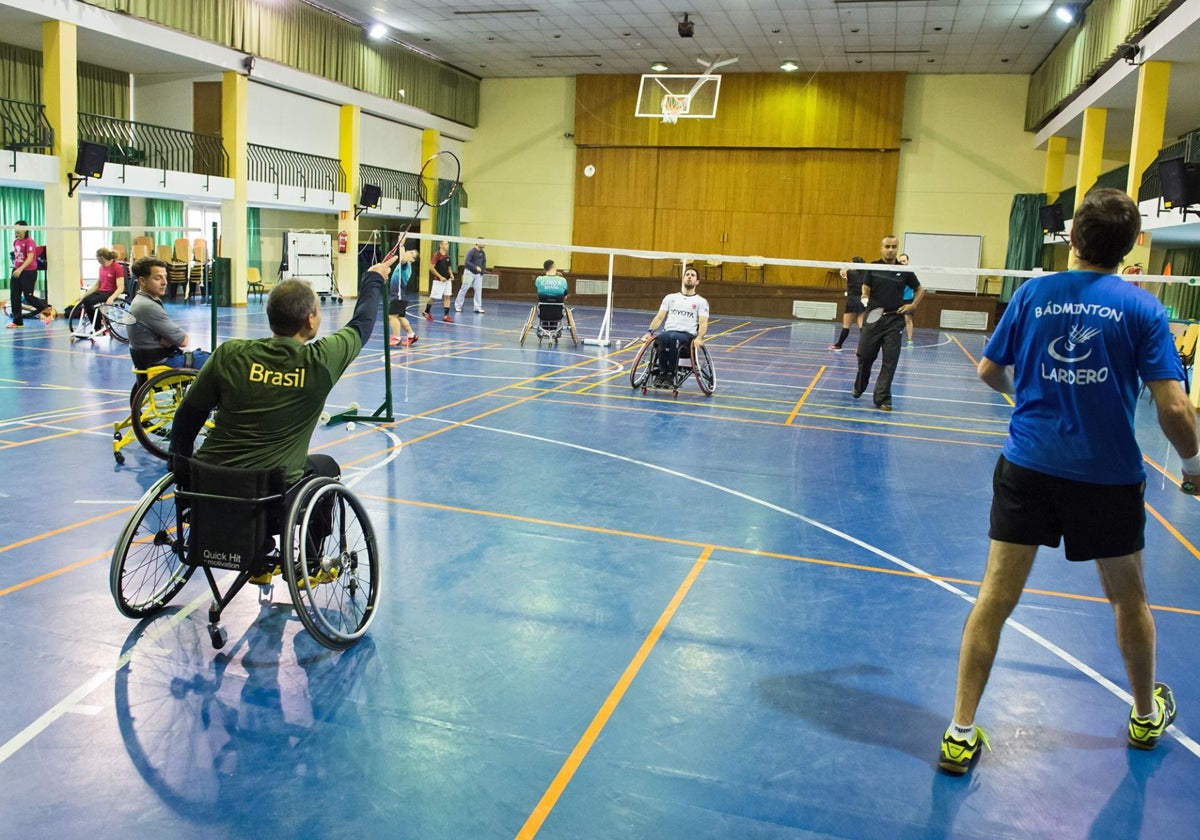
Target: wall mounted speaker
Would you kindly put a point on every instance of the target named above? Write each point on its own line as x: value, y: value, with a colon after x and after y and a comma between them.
x: 1051, y: 217
x: 91, y: 159
x: 1180, y: 182
x: 370, y: 196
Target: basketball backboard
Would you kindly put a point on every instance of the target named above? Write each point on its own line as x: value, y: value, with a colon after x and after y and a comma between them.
x: 671, y: 97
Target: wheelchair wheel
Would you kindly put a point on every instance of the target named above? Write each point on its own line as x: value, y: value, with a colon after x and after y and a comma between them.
x: 571, y: 325
x: 331, y: 563
x: 639, y: 374
x: 154, y: 408
x: 706, y: 378
x: 74, y: 318
x: 117, y: 328
x: 147, y: 563
x: 528, y: 324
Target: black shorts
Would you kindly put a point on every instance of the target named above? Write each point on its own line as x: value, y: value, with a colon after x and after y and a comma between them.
x: 854, y: 304
x: 1095, y: 520
x: 398, y: 307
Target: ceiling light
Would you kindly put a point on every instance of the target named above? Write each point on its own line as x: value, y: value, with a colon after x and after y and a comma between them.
x: 1065, y: 13
x: 377, y: 31
x: 789, y: 66
x: 658, y: 67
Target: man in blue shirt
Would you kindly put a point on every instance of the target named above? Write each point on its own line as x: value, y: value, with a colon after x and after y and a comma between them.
x: 473, y: 271
x: 1072, y: 348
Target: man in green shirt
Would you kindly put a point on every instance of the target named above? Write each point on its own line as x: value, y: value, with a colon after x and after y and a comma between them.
x: 271, y: 391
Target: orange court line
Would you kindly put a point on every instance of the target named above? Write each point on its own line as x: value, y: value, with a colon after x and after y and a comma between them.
x: 954, y: 338
x: 563, y: 778
x: 16, y: 587
x: 1174, y: 532
x: 804, y: 396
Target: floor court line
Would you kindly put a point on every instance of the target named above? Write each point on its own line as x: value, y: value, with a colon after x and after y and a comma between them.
x: 804, y: 396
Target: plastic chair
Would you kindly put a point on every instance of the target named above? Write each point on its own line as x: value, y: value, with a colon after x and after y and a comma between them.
x: 254, y: 283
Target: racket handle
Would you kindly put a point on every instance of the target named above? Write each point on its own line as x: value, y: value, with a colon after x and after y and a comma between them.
x: 1188, y: 487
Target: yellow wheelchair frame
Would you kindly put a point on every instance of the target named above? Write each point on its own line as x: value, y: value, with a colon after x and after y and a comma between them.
x: 152, y: 409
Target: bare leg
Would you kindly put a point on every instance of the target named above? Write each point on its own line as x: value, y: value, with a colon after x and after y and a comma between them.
x: 1008, y: 567
x: 1126, y: 591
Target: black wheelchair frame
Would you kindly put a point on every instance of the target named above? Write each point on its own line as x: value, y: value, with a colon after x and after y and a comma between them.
x: 199, y: 516
x: 696, y: 362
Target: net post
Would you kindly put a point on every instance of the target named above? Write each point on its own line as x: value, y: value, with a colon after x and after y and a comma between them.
x: 212, y: 290
x: 383, y: 414
x: 602, y: 337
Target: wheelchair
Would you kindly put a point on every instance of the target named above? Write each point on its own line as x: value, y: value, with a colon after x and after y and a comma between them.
x: 152, y: 406
x: 111, y: 319
x: 693, y: 362
x: 201, y: 516
x: 547, y: 318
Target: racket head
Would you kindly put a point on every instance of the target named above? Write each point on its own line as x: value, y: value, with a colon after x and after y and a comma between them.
x: 448, y: 168
x: 117, y: 314
x: 873, y: 315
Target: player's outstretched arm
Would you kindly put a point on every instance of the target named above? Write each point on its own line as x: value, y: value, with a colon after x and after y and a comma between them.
x: 370, y: 292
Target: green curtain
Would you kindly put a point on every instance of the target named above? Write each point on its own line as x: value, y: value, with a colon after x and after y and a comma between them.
x: 163, y: 212
x: 103, y: 91
x: 447, y: 222
x: 1024, y: 240
x: 20, y: 74
x: 1182, y: 299
x: 118, y: 216
x: 17, y: 204
x: 254, y: 238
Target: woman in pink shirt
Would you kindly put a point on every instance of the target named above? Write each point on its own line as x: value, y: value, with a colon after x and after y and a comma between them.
x: 110, y: 285
x: 24, y: 278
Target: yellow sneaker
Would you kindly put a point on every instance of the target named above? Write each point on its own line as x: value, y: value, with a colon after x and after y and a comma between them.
x: 958, y: 755
x: 265, y: 578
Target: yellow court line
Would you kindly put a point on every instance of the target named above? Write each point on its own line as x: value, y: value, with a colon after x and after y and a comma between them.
x: 1174, y: 532
x: 16, y: 587
x: 954, y: 338
x: 804, y: 396
x: 733, y: 347
x: 64, y: 529
x: 563, y: 778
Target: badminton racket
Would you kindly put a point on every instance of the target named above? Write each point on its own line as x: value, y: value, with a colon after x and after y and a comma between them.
x: 117, y: 314
x: 433, y: 192
x: 873, y: 315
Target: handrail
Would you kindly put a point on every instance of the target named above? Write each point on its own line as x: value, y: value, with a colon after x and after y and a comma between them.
x: 24, y: 127
x: 270, y: 165
x: 402, y: 186
x: 155, y: 146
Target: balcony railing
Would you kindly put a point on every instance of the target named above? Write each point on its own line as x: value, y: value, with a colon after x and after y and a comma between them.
x: 295, y: 169
x: 401, y: 186
x: 155, y: 146
x: 24, y: 128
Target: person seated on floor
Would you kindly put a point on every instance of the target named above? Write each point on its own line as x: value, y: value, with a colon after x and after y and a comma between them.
x: 686, y: 315
x: 155, y: 338
x: 551, y: 286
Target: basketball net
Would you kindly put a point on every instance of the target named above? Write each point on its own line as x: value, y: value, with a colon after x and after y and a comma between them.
x: 673, y: 104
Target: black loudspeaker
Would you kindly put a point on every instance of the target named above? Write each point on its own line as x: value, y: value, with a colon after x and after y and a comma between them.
x: 370, y: 196
x: 1051, y: 217
x: 91, y: 160
x: 1180, y: 182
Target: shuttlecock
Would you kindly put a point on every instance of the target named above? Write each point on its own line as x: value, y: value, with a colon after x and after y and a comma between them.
x: 350, y: 427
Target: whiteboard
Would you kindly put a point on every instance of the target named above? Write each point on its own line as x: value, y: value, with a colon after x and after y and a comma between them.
x: 944, y: 250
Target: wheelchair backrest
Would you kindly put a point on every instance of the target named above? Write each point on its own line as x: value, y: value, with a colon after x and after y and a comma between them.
x: 232, y: 513
x: 550, y: 311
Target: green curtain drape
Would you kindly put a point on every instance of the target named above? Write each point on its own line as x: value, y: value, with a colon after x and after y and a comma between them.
x: 101, y: 90
x: 163, y: 212
x: 447, y: 222
x: 20, y: 204
x: 117, y: 207
x: 20, y: 74
x: 1181, y: 299
x: 1024, y: 239
x: 254, y: 238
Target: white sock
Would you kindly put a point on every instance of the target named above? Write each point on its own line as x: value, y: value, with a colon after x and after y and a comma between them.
x: 1155, y: 717
x: 963, y: 733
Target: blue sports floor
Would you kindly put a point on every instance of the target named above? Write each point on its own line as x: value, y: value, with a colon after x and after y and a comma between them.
x: 605, y: 615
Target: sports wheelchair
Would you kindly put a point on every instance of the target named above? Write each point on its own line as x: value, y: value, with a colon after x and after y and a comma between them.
x: 693, y: 362
x: 201, y: 516
x: 548, y: 316
x: 152, y: 406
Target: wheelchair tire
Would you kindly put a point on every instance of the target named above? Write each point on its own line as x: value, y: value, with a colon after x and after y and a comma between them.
x: 154, y: 405
x: 334, y: 577
x: 74, y: 316
x: 147, y: 563
x: 528, y: 324
x: 118, y: 331
x: 643, y: 363
x: 702, y: 367
x: 571, y: 325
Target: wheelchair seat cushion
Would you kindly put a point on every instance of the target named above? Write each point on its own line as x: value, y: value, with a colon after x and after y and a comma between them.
x: 233, y: 513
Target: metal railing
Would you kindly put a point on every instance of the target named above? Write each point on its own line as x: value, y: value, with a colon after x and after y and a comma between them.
x: 269, y: 165
x: 155, y: 146
x: 401, y: 186
x: 24, y: 128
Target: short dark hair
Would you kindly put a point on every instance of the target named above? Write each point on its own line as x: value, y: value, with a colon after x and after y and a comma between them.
x: 289, y: 305
x: 547, y: 265
x: 1105, y: 227
x: 141, y: 268
x: 857, y: 259
x: 21, y: 223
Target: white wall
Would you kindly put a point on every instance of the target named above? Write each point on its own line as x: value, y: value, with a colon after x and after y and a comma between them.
x: 390, y: 145
x: 288, y: 121
x: 163, y: 100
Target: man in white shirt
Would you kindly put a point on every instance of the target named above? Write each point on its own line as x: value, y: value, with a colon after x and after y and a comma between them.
x: 686, y: 321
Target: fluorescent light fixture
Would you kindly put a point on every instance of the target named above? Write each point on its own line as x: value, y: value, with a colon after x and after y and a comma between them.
x: 377, y: 31
x: 789, y: 66
x: 1065, y: 13
x: 658, y: 66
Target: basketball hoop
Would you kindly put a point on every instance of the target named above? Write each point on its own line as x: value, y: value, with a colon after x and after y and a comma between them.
x: 673, y: 105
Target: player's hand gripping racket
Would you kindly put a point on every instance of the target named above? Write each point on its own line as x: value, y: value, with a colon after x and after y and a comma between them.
x: 432, y: 192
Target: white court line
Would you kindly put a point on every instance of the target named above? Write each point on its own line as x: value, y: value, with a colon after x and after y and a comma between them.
x: 1033, y: 636
x: 71, y: 704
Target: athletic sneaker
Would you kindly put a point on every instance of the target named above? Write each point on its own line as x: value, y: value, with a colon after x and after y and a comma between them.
x: 477, y: 311
x: 412, y: 339
x: 1145, y: 734
x: 910, y: 342
x: 16, y: 326
x: 447, y: 318
x: 457, y: 308
x: 395, y: 341
x: 958, y: 755
x: 428, y: 315
x: 264, y: 578
x: 884, y: 406
x: 836, y: 348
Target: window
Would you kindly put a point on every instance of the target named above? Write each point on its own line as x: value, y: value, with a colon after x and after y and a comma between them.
x: 200, y: 217
x: 93, y: 213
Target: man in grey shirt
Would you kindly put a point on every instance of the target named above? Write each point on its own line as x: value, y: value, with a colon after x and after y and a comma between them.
x: 156, y: 339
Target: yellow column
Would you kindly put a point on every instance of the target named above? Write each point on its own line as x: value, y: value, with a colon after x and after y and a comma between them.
x: 61, y: 97
x: 1149, y: 117
x: 234, y: 242
x: 1091, y: 151
x: 431, y: 142
x: 1056, y: 155
x: 349, y: 150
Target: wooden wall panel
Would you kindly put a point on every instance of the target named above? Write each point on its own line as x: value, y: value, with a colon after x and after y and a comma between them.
x: 755, y: 110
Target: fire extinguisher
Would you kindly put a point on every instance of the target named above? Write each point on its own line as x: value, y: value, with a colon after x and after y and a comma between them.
x: 343, y: 241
